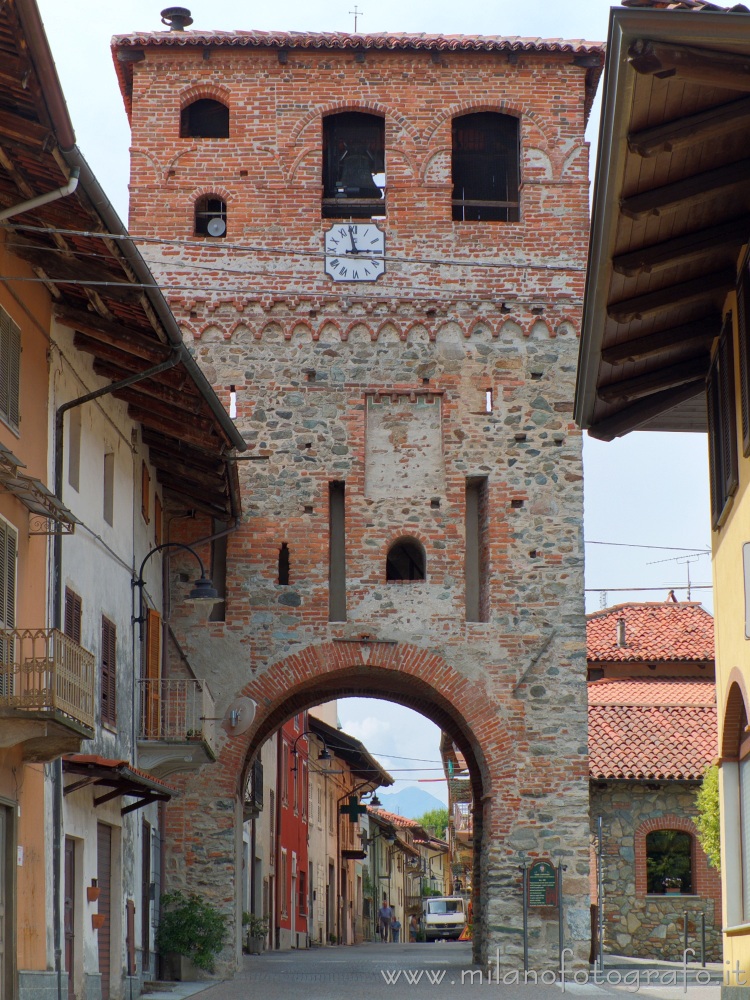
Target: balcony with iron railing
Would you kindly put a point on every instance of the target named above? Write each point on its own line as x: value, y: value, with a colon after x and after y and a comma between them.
x: 47, y: 692
x: 177, y: 730
x: 463, y: 824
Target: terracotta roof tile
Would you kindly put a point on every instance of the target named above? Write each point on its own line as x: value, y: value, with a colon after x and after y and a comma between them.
x: 660, y: 631
x: 348, y: 40
x: 651, y: 743
x: 653, y: 691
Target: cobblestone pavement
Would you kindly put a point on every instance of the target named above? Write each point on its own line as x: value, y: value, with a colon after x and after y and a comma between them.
x: 442, y: 971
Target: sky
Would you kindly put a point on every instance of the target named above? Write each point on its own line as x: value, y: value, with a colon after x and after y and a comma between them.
x: 645, y: 493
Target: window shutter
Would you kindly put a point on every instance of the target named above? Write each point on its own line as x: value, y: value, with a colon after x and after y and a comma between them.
x: 744, y: 352
x: 73, y: 610
x: 109, y: 671
x: 10, y: 368
x: 8, y: 542
x: 153, y: 643
x: 145, y: 493
x: 728, y: 409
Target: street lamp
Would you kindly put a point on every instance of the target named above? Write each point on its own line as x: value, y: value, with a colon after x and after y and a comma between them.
x: 203, y: 591
x: 324, y: 754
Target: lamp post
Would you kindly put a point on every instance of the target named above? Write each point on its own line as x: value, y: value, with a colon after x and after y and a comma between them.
x: 324, y: 754
x: 203, y: 591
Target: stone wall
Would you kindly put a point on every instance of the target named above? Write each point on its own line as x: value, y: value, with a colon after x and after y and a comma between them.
x: 652, y: 926
x: 461, y: 309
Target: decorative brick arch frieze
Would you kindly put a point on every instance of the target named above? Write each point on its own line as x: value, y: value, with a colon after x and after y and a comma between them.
x: 731, y: 725
x: 365, y: 107
x: 705, y: 879
x: 209, y: 190
x: 498, y: 107
x: 205, y: 91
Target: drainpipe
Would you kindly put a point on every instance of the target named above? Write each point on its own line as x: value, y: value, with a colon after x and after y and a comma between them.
x: 43, y: 199
x: 57, y: 619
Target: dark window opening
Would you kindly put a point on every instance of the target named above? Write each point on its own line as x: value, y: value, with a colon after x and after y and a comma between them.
x: 73, y: 616
x: 284, y: 565
x: 669, y: 862
x: 337, y: 552
x: 219, y: 572
x: 353, y: 166
x: 406, y: 560
x: 108, y: 702
x: 211, y: 216
x: 485, y: 167
x: 476, y: 557
x: 205, y: 119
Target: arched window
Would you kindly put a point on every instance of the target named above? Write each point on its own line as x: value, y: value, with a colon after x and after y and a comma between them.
x: 211, y: 216
x: 205, y: 119
x: 405, y: 561
x: 486, y: 168
x: 353, y: 166
x: 669, y: 862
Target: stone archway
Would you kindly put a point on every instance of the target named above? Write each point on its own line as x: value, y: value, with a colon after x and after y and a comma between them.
x: 202, y: 826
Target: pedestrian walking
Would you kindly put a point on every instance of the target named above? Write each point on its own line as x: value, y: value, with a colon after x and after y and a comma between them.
x: 413, y: 928
x: 385, y: 915
x: 396, y: 929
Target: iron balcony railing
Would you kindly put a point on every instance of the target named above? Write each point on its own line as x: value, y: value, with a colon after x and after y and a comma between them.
x: 45, y: 671
x: 462, y: 818
x: 176, y: 709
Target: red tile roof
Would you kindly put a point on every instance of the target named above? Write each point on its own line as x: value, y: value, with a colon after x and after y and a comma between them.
x: 653, y: 691
x: 393, y: 818
x: 660, y: 631
x: 348, y: 40
x: 649, y: 728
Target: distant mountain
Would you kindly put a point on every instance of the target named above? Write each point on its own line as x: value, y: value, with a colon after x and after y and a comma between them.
x: 410, y: 802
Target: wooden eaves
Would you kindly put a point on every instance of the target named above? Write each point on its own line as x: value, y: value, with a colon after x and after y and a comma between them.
x: 671, y: 213
x: 101, y: 286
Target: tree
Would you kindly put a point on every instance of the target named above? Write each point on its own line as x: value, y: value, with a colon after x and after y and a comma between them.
x: 707, y: 820
x: 435, y: 821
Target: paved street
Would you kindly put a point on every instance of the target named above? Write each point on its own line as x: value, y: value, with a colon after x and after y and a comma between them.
x: 443, y: 970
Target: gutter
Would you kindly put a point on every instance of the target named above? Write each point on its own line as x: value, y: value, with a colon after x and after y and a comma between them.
x: 42, y: 199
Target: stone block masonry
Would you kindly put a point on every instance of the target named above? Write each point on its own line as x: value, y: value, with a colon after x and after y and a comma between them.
x: 384, y: 387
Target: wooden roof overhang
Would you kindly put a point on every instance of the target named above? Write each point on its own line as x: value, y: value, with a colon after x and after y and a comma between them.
x: 102, y: 289
x: 671, y: 213
x: 114, y: 778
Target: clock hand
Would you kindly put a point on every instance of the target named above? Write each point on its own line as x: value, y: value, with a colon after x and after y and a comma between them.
x: 354, y: 245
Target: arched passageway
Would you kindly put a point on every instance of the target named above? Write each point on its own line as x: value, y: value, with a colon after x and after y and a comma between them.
x: 203, y: 825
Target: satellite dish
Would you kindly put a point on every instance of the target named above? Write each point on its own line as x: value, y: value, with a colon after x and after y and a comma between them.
x: 216, y: 226
x: 239, y: 716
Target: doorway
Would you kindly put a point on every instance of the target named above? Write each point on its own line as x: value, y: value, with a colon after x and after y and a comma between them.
x: 104, y: 873
x: 69, y: 914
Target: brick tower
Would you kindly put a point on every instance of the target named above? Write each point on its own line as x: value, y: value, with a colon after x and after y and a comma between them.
x: 379, y: 244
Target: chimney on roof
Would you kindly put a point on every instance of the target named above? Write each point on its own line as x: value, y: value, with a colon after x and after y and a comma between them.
x: 178, y: 18
x: 621, y: 641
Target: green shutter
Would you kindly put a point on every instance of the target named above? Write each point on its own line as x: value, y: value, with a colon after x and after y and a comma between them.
x: 10, y: 369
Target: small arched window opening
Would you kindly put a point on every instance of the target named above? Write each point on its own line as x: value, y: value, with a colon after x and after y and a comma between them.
x: 353, y: 166
x: 669, y: 862
x: 205, y: 119
x: 405, y: 560
x: 486, y: 167
x: 211, y: 216
x: 284, y: 565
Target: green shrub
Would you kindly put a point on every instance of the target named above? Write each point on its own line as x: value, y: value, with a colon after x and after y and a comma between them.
x: 707, y: 820
x: 191, y: 927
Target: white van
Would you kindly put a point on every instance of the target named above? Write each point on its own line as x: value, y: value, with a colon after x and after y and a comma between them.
x: 444, y: 918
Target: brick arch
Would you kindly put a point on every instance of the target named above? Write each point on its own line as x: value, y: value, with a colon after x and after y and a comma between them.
x: 400, y: 672
x: 215, y: 190
x: 731, y: 728
x: 666, y: 822
x: 201, y: 91
x: 367, y: 107
x: 500, y: 107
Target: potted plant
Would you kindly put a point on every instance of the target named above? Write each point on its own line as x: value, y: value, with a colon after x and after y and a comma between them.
x: 190, y: 929
x: 672, y: 885
x: 256, y: 929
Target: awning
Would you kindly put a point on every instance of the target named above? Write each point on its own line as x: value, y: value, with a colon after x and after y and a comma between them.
x: 120, y: 777
x: 33, y: 494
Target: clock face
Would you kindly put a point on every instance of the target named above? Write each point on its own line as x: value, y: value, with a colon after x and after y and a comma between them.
x: 354, y: 252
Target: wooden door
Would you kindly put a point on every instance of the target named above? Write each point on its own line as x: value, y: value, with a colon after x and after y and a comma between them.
x: 4, y: 902
x: 69, y: 914
x: 104, y: 872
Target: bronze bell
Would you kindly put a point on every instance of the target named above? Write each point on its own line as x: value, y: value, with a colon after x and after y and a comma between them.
x: 355, y: 175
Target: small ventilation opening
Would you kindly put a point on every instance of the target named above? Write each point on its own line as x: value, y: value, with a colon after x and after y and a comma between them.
x: 232, y: 402
x: 284, y: 565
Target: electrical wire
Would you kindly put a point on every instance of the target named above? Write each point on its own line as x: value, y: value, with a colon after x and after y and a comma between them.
x: 664, y: 548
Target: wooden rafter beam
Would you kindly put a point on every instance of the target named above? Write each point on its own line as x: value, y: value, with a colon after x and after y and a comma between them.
x: 60, y: 267
x: 189, y: 479
x: 166, y: 458
x: 119, y: 335
x: 728, y: 236
x: 694, y: 335
x: 637, y: 414
x: 160, y: 410
x: 709, y: 124
x: 175, y: 428
x: 687, y: 62
x: 182, y: 450
x: 127, y: 364
x: 670, y: 377
x: 180, y: 401
x: 199, y: 498
x: 22, y: 132
x: 682, y: 294
x: 685, y: 193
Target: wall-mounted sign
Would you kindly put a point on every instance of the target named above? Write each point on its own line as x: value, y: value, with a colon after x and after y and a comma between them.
x: 542, y: 884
